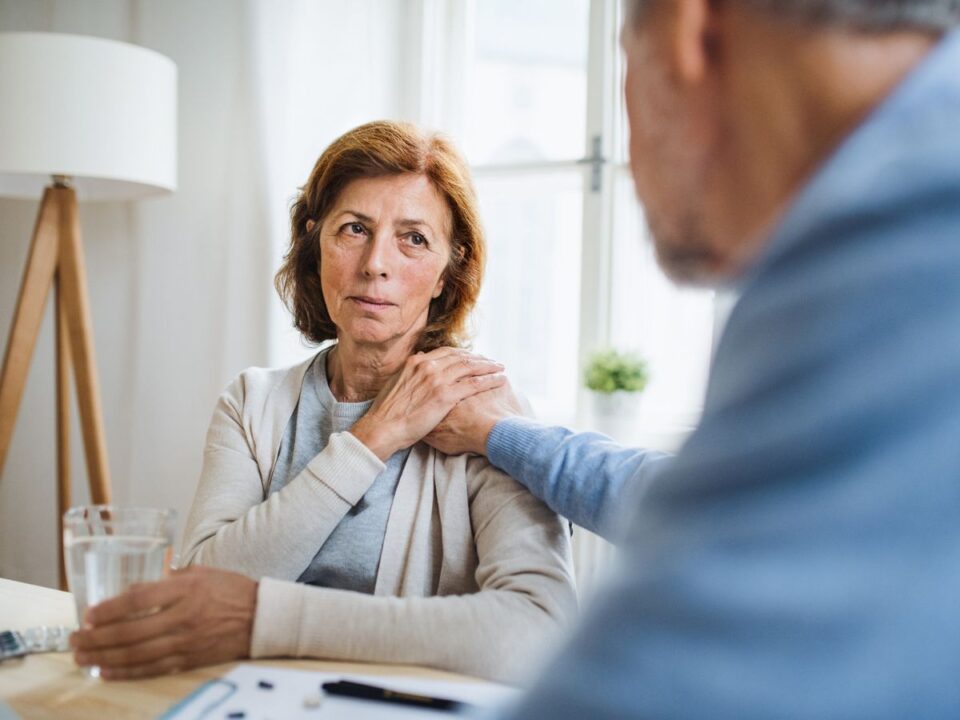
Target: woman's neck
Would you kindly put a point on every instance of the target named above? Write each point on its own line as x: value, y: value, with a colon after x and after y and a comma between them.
x: 357, y: 372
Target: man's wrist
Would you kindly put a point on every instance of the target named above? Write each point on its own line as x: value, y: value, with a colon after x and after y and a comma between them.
x: 483, y: 435
x: 510, y: 442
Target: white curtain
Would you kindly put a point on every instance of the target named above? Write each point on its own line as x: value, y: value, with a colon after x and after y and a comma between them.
x: 181, y: 286
x: 320, y: 69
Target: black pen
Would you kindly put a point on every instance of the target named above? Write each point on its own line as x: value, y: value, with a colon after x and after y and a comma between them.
x: 372, y: 692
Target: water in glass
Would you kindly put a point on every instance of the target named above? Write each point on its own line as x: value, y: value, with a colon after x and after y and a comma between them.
x: 107, y: 549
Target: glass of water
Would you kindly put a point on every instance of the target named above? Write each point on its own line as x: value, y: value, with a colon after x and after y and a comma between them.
x: 109, y: 548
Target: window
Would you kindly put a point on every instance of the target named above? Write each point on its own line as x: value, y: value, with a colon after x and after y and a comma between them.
x: 532, y: 92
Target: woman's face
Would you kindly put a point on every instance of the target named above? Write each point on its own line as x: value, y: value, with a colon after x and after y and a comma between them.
x: 384, y: 247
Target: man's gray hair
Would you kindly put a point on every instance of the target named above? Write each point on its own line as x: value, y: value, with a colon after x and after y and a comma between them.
x: 863, y: 15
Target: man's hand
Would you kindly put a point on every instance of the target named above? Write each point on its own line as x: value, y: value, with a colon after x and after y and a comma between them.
x: 421, y: 394
x: 198, y: 616
x: 467, y: 427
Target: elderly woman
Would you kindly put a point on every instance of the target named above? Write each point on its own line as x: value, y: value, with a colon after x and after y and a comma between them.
x: 367, y: 544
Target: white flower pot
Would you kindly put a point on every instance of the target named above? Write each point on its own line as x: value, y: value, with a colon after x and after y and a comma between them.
x: 616, y: 414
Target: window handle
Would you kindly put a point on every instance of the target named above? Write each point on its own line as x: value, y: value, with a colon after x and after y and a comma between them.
x: 596, y: 161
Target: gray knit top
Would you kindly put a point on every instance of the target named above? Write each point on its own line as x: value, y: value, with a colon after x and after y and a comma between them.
x: 349, y: 558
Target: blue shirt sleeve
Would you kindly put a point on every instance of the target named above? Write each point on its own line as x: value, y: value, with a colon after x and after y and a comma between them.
x: 585, y: 477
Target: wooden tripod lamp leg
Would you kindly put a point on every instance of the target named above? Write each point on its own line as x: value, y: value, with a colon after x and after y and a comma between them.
x: 76, y: 305
x: 37, y: 278
x: 56, y: 250
x: 63, y: 421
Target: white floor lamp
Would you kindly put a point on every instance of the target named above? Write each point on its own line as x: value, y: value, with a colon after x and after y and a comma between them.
x: 79, y: 117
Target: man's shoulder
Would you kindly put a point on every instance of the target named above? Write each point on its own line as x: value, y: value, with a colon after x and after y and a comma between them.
x: 856, y: 277
x: 873, y: 237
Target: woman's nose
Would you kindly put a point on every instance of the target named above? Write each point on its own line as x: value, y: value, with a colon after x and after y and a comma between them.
x: 376, y: 260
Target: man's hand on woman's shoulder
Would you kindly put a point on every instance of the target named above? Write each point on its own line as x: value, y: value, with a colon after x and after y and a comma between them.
x: 421, y: 394
x: 468, y: 425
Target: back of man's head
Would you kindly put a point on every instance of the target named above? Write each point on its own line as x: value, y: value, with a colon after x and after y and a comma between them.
x: 734, y: 103
x: 862, y: 15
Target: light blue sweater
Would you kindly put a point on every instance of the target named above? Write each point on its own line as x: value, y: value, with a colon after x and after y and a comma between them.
x: 800, y: 557
x: 585, y: 477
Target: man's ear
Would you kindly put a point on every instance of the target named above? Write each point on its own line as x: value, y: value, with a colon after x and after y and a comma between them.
x: 691, y: 38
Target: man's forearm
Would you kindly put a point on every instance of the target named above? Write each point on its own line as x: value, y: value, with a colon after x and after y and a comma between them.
x: 583, y: 476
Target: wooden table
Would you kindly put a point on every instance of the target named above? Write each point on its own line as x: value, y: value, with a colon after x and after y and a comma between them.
x: 51, y: 686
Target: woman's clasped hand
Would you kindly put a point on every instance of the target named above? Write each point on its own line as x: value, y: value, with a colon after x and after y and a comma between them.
x: 418, y: 397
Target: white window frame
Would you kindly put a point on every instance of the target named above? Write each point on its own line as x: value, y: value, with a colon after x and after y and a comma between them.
x: 435, y: 98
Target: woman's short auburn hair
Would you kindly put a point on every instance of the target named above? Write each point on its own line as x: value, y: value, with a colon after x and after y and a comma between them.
x: 375, y: 150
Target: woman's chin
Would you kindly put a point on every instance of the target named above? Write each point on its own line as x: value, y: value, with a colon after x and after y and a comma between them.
x: 372, y: 331
x: 369, y: 335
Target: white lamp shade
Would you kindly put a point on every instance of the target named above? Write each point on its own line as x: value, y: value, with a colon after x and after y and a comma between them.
x: 102, y: 112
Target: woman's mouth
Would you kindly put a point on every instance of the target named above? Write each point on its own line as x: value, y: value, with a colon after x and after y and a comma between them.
x: 371, y: 303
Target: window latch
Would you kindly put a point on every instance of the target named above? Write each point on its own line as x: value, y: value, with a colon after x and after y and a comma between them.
x: 596, y: 161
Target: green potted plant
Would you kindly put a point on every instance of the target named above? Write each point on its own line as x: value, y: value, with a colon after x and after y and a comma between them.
x: 615, y: 380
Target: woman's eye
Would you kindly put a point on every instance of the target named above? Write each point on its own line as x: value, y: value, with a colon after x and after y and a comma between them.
x: 417, y: 240
x: 353, y: 228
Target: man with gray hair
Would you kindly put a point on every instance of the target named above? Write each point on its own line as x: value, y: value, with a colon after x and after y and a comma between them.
x: 800, y: 556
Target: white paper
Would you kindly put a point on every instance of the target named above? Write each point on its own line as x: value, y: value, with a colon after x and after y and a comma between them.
x: 240, y: 691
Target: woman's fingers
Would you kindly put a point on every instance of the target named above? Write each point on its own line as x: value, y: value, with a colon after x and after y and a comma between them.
x: 451, y: 367
x: 164, y: 666
x: 457, y: 374
x: 138, y: 600
x: 448, y: 355
x: 148, y: 651
x: 474, y: 384
x: 128, y: 632
x: 463, y: 370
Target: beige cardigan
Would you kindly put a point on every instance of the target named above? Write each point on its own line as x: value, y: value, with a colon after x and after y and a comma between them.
x: 475, y: 575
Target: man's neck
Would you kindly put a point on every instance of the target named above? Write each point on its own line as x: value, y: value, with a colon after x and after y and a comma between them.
x: 788, y: 111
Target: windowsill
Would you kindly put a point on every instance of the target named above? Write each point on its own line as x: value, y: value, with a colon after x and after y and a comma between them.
x: 653, y: 431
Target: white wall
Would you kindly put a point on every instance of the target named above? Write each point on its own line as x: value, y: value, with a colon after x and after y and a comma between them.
x: 180, y: 286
